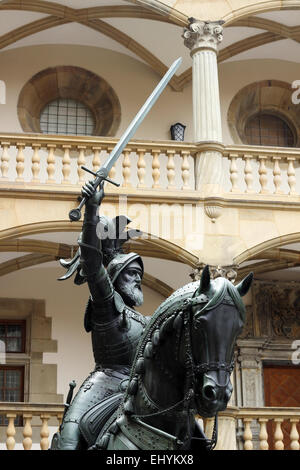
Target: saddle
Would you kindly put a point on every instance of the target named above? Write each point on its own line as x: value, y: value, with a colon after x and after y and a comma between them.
x: 95, y: 418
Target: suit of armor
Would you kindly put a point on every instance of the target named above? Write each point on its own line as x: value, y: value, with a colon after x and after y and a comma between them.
x: 115, y: 330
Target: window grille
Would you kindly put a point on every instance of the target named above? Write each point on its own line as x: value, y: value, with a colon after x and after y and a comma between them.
x: 12, y: 333
x: 67, y: 116
x: 268, y: 129
x: 11, y: 389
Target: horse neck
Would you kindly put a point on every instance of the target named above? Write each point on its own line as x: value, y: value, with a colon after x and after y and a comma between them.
x: 161, y: 388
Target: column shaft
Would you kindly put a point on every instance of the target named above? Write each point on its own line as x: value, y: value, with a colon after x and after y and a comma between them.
x: 202, y: 38
x: 206, y: 100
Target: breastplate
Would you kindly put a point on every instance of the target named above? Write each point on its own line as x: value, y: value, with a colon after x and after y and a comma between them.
x: 115, y: 341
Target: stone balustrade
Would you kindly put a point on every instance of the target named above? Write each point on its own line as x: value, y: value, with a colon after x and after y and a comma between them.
x: 43, y: 417
x: 272, y: 422
x: 249, y: 172
x: 43, y: 159
x: 34, y: 416
x: 263, y: 171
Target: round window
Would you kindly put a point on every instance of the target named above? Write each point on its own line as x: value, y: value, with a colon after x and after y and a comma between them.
x: 67, y: 116
x: 268, y: 129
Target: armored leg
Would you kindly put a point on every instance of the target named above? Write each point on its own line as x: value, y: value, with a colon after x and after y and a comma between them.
x: 98, y: 385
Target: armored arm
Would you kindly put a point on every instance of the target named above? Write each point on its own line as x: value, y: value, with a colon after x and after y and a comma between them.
x: 91, y: 256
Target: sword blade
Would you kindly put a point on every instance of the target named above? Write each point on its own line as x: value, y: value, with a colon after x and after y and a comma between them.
x: 140, y: 116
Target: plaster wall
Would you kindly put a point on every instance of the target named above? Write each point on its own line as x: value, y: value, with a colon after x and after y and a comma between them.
x: 132, y: 81
x: 136, y: 83
x: 235, y: 75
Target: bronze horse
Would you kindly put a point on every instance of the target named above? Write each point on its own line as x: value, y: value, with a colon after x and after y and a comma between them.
x: 182, y: 368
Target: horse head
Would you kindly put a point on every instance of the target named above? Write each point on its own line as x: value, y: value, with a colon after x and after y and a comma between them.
x: 218, y: 318
x: 185, y: 356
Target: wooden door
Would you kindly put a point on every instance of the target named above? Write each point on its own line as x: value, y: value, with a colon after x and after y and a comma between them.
x: 282, y: 388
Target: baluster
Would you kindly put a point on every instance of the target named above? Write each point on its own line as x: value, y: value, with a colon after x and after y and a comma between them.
x: 263, y: 434
x: 126, y: 168
x: 27, y: 432
x: 66, y: 161
x: 20, y: 161
x: 277, y: 179
x: 35, y: 167
x: 51, y: 163
x: 248, y: 445
x: 171, y: 169
x: 96, y: 158
x: 234, y: 174
x: 11, y: 431
x: 185, y: 169
x: 294, y: 435
x: 141, y: 164
x: 155, y: 168
x: 44, y: 444
x: 113, y: 170
x: 5, y: 159
x: 278, y: 434
x: 291, y: 176
x: 248, y: 173
x: 263, y: 179
x: 81, y: 161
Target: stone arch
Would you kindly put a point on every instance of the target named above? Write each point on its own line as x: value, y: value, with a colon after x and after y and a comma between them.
x: 74, y: 83
x: 267, y: 245
x: 252, y: 8
x: 149, y: 244
x: 41, y: 251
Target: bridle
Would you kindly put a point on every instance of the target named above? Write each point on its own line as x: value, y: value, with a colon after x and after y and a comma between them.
x: 191, y: 370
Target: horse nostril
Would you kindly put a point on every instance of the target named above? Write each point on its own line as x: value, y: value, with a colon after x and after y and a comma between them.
x: 209, y: 392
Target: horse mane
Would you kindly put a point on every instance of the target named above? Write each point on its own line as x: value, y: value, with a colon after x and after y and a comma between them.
x: 223, y: 291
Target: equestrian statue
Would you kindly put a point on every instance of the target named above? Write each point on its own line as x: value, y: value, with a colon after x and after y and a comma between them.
x: 153, y: 374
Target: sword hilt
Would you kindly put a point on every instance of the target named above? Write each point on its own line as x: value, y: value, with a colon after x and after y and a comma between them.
x: 100, y: 175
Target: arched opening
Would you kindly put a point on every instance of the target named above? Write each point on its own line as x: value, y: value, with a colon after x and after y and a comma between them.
x: 65, y: 94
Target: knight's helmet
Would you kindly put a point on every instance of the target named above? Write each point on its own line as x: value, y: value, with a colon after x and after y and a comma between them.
x: 112, y: 235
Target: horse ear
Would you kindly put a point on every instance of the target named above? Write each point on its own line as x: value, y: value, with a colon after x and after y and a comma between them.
x: 245, y: 285
x: 204, y: 281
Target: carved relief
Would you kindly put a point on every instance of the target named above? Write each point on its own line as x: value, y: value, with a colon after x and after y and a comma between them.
x: 277, y: 309
x: 248, y: 330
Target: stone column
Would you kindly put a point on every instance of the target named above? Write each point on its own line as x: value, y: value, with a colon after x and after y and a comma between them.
x: 202, y: 38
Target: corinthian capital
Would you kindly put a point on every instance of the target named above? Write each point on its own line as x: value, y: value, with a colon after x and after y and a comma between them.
x: 229, y: 272
x: 203, y: 34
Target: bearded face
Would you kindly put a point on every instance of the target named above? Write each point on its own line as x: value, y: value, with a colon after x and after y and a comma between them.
x: 128, y: 284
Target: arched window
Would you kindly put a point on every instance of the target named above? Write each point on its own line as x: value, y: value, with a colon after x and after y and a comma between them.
x: 69, y: 100
x: 67, y: 116
x: 268, y: 129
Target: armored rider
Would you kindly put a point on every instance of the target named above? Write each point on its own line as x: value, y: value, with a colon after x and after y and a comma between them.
x: 114, y: 281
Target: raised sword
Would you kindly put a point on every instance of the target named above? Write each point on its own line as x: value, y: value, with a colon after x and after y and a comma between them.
x: 102, y: 174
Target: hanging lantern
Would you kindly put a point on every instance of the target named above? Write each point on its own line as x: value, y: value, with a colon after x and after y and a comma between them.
x: 177, y: 131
